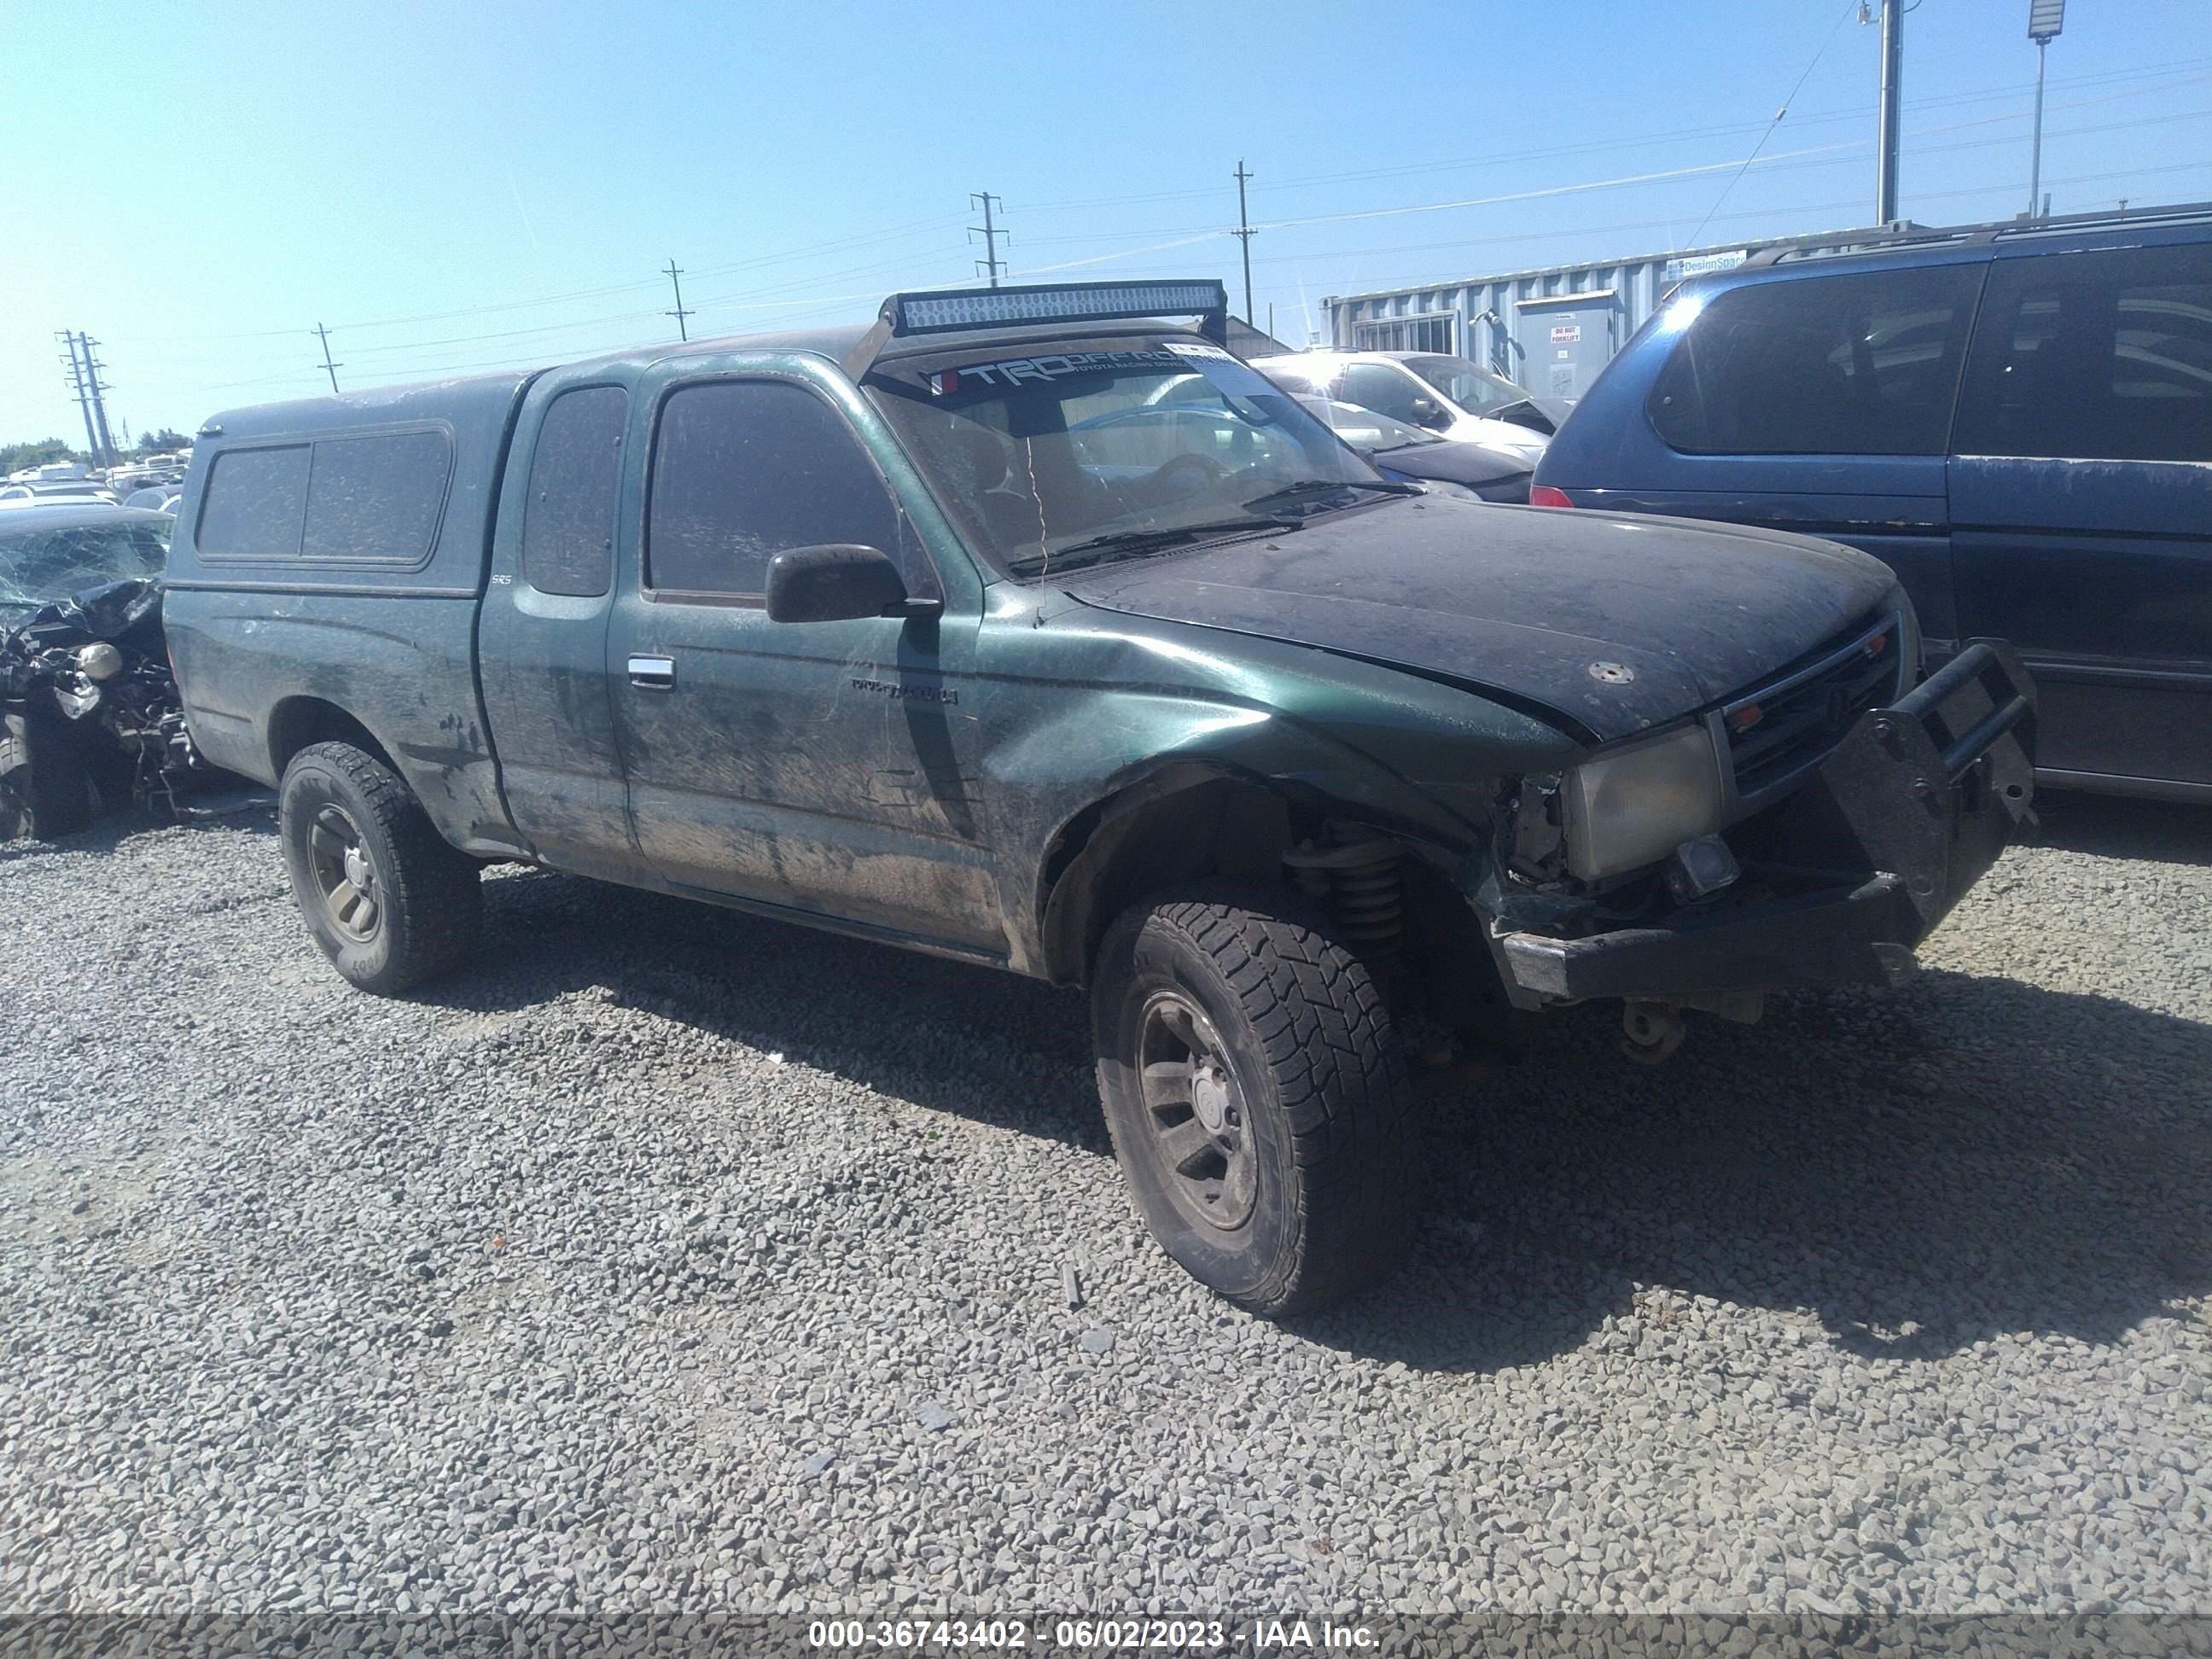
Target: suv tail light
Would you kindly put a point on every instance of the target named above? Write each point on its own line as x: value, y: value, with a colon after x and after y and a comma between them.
x: 1547, y: 495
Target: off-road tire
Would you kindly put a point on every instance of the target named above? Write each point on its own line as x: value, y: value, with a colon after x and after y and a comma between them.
x: 44, y: 787
x: 1319, y: 1075
x: 430, y: 900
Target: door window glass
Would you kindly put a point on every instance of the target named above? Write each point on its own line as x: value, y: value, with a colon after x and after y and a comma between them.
x: 1385, y: 390
x: 1852, y: 365
x: 568, y: 523
x: 2095, y: 357
x: 743, y: 469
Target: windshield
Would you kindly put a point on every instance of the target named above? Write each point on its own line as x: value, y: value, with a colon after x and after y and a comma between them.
x: 1365, y: 429
x: 1057, y: 460
x: 38, y: 567
x: 1473, y: 388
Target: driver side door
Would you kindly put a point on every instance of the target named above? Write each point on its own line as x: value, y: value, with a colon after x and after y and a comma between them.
x: 821, y: 766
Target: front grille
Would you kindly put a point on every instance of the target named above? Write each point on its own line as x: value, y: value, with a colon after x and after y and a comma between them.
x: 1780, y: 730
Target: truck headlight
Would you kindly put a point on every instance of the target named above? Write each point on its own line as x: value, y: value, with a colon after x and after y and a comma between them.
x: 1636, y: 805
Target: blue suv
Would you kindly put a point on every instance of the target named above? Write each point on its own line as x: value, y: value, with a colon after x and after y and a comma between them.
x: 2016, y: 418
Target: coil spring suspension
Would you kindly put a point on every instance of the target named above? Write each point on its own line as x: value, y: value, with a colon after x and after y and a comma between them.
x: 1358, y: 883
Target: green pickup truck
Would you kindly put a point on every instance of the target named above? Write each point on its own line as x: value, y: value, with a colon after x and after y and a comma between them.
x: 1028, y: 628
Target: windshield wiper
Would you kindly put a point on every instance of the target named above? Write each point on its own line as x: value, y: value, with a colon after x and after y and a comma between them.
x: 1305, y: 489
x: 1094, y: 549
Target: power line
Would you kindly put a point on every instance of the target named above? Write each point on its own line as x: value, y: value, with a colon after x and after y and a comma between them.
x: 1635, y: 140
x: 1775, y: 122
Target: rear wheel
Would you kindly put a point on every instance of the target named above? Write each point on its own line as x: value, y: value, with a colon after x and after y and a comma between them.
x: 389, y: 900
x: 1257, y: 1096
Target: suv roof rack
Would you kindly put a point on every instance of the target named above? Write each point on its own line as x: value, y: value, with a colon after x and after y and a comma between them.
x: 956, y: 310
x: 1904, y: 234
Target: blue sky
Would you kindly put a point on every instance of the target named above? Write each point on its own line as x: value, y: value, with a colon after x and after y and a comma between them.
x: 475, y: 184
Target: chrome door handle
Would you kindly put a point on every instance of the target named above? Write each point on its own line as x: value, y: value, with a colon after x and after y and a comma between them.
x: 653, y: 673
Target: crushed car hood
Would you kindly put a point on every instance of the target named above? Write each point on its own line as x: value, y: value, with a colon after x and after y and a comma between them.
x: 1471, y: 465
x: 1616, y: 621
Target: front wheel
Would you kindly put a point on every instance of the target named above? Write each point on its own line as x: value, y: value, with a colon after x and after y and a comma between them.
x: 47, y: 790
x: 391, y: 903
x: 1257, y: 1096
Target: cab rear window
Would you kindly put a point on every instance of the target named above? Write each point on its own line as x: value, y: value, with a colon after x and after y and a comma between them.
x: 1849, y: 365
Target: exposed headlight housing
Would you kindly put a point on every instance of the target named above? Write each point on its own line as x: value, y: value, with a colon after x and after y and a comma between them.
x: 99, y: 660
x: 1633, y: 805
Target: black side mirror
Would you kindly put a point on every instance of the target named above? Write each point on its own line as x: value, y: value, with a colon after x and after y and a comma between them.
x: 836, y: 583
x: 1428, y: 412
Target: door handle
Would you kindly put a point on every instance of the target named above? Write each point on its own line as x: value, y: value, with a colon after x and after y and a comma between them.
x: 653, y: 673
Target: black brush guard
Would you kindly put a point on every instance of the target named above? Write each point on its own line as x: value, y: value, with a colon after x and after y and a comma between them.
x: 1856, y: 868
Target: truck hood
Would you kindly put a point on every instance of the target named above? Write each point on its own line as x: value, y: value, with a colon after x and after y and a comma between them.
x: 1617, y: 621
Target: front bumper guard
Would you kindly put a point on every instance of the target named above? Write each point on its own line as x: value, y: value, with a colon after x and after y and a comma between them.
x: 1901, y: 819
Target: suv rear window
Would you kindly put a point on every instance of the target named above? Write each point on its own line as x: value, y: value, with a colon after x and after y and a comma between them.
x: 1863, y: 364
x: 2095, y: 357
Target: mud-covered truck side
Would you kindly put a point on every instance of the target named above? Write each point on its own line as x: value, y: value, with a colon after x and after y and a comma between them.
x: 1028, y: 628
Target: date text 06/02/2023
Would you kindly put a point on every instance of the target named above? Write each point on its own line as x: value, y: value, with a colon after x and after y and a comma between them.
x: 1139, y: 1633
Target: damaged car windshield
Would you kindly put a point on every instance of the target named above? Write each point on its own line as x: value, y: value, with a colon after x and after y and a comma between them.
x: 40, y: 566
x: 1054, y: 461
x: 1475, y: 389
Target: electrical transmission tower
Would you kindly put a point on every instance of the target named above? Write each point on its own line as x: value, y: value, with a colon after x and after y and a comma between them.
x: 679, y: 313
x: 97, y: 388
x: 329, y: 368
x: 85, y: 382
x: 990, y: 264
x: 76, y: 389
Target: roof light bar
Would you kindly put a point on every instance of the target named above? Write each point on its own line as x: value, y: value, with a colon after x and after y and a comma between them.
x: 947, y: 309
x: 951, y: 310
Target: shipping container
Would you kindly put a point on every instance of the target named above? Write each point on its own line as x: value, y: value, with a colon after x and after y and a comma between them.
x: 1550, y: 329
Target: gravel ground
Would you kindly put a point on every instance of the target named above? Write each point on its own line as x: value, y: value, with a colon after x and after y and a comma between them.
x: 673, y: 1259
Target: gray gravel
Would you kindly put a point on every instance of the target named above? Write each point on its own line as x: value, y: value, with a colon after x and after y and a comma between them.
x: 673, y: 1259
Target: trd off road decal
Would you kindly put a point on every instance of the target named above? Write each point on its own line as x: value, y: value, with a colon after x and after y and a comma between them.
x: 1045, y: 369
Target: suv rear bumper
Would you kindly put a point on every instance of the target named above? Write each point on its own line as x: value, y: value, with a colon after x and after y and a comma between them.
x: 1860, y: 863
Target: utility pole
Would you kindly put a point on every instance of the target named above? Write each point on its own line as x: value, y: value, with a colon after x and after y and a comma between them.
x: 679, y: 313
x: 94, y: 386
x: 83, y: 403
x: 329, y: 368
x: 2045, y: 18
x: 1893, y: 71
x: 1244, y: 234
x: 989, y: 264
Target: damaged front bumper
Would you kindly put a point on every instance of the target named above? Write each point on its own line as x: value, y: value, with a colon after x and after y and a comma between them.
x: 1848, y: 876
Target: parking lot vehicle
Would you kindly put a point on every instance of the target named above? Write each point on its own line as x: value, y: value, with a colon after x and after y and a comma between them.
x: 1447, y: 464
x: 2017, y: 417
x: 1294, y: 767
x: 89, y: 713
x: 1432, y: 389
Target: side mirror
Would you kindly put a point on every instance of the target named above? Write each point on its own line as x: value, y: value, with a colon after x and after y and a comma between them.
x: 836, y: 583
x: 1428, y: 412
